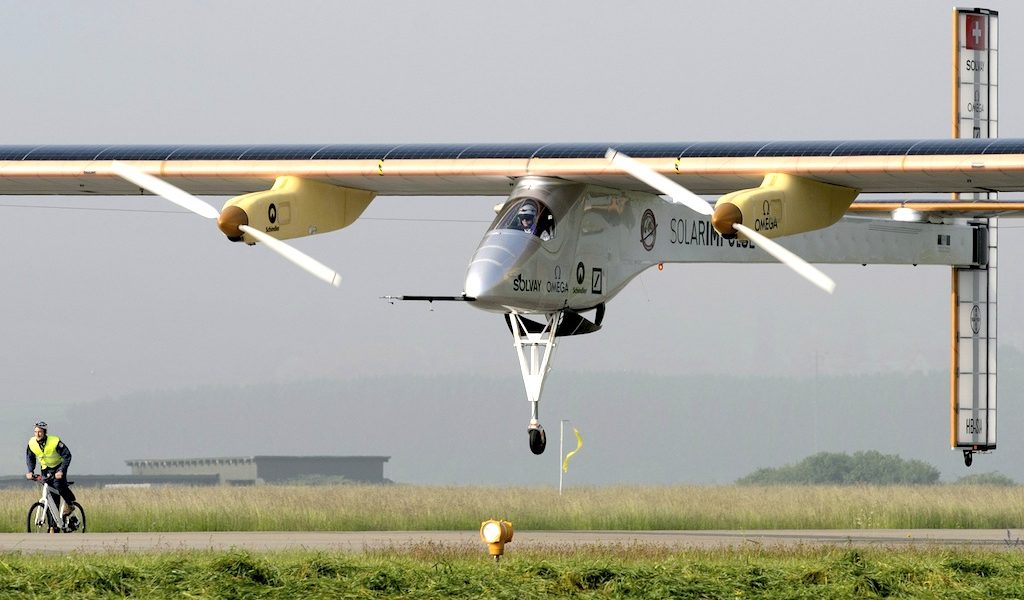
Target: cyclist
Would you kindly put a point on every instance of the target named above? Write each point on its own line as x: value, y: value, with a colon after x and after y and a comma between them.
x: 54, y: 459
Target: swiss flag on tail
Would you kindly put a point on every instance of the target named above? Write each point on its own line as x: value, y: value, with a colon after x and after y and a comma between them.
x: 976, y: 33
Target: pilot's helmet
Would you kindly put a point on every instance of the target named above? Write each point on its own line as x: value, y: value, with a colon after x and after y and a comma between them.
x: 528, y: 214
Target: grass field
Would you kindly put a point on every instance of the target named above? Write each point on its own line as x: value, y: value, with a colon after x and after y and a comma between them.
x: 368, y: 508
x: 597, y: 573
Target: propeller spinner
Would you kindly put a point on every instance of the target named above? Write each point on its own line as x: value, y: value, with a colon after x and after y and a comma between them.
x: 725, y: 219
x: 232, y: 221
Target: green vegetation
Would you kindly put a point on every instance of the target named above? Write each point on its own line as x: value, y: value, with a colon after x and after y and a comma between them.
x: 834, y: 468
x: 433, y: 572
x: 995, y: 479
x: 398, y: 507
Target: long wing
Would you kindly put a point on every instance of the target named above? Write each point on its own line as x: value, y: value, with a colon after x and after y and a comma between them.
x: 981, y: 208
x: 921, y: 166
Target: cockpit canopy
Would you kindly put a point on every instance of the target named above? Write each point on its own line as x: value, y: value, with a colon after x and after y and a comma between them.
x: 529, y: 215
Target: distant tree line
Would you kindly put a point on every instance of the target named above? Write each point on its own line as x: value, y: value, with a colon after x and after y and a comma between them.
x: 868, y: 467
x: 996, y: 479
x: 835, y: 468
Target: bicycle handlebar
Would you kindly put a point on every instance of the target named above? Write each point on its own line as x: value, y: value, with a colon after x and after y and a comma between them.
x: 50, y: 479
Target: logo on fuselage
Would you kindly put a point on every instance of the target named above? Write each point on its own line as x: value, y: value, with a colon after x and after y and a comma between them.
x: 272, y: 216
x: 975, y: 319
x: 521, y: 284
x: 766, y: 222
x: 648, y: 230
x: 581, y: 276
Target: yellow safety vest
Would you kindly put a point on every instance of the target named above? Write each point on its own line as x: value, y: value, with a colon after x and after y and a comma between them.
x: 48, y: 457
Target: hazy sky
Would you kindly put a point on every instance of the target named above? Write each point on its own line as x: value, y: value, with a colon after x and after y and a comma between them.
x: 101, y: 303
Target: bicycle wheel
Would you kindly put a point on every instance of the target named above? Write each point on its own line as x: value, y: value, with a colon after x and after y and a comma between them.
x: 76, y: 520
x: 37, y: 521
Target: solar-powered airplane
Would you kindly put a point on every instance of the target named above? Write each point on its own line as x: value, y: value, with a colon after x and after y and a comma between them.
x: 579, y: 221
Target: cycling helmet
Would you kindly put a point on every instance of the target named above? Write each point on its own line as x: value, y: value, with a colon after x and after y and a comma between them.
x: 42, y: 425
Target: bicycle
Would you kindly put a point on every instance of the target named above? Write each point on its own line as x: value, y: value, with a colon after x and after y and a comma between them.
x: 46, y: 514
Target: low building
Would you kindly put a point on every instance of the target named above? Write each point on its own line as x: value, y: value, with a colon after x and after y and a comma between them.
x: 106, y: 481
x: 255, y: 470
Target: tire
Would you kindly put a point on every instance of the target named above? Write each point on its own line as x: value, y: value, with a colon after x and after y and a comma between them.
x: 538, y: 440
x: 77, y: 513
x: 34, y: 511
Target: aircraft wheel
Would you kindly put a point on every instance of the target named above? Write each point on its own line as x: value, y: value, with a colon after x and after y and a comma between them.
x: 538, y: 440
x: 968, y: 457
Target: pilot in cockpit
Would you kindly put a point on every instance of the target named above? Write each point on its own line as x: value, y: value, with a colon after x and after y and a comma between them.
x: 527, y: 217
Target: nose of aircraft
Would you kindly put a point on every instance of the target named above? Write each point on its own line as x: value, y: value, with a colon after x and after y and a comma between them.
x: 498, y: 255
x: 481, y: 279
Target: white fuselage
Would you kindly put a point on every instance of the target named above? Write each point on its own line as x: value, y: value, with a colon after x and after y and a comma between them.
x: 598, y: 239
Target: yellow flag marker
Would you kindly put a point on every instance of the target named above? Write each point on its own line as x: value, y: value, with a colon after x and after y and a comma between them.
x: 579, y: 444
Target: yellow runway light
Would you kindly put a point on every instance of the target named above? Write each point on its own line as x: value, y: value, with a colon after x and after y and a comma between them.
x: 496, y: 534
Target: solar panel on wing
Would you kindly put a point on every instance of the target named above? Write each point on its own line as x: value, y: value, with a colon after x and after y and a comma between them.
x: 873, y: 148
x: 353, y: 152
x: 135, y: 152
x: 282, y: 152
x: 709, y: 149
x: 822, y: 148
x: 510, y: 151
x: 499, y: 151
x: 425, y: 151
x: 572, y: 151
x: 15, y: 152
x: 208, y: 152
x: 656, y: 150
x: 960, y: 146
x: 1005, y: 146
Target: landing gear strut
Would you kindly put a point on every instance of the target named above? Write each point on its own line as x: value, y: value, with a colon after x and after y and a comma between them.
x: 534, y: 351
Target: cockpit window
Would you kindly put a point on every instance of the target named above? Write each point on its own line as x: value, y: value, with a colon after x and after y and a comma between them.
x: 529, y: 215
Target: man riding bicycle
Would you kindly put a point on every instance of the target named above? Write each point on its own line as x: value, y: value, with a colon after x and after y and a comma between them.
x: 54, y: 460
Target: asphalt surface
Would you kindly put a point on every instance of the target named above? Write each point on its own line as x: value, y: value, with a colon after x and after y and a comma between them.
x: 367, y: 541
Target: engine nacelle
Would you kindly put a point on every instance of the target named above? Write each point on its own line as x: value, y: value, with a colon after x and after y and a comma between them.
x: 783, y: 205
x: 294, y: 207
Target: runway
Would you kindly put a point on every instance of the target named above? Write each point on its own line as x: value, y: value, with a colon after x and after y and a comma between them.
x: 369, y: 541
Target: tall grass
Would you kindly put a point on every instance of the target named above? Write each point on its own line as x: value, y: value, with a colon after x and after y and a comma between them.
x: 369, y: 508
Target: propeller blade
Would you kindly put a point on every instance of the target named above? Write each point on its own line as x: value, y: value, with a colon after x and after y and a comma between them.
x: 681, y: 195
x: 189, y: 202
x: 300, y: 259
x: 159, y: 187
x: 677, y: 193
x: 784, y: 256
